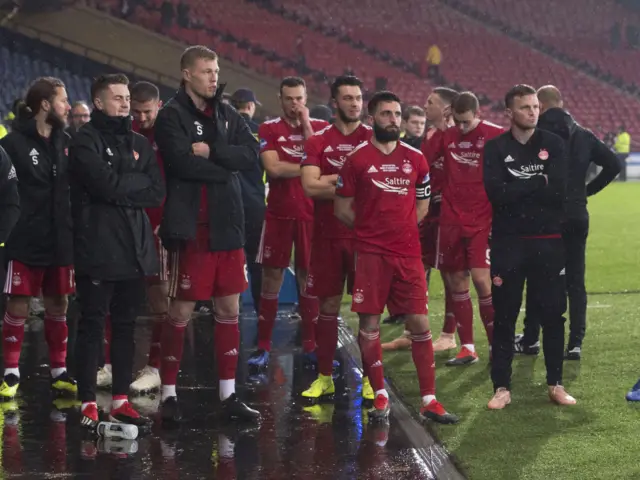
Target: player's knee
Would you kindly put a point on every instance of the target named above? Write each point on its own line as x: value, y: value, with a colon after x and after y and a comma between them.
x: 457, y: 281
x: 272, y: 279
x: 56, y: 305
x: 227, y: 306
x: 181, y: 310
x: 416, y: 323
x: 18, y: 305
x: 370, y: 323
x: 330, y: 306
x: 158, y: 297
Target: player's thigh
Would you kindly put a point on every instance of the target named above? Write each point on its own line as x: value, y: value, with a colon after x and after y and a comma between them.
x: 477, y: 249
x: 327, y: 271
x: 58, y: 281
x: 451, y: 249
x: 303, y: 235
x: 372, y: 284
x: 231, y: 277
x: 546, y: 277
x: 23, y: 280
x: 276, y: 243
x: 508, y: 273
x: 191, y: 273
x: 408, y: 293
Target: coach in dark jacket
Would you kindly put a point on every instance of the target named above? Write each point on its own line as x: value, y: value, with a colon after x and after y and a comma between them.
x: 9, y: 203
x: 233, y: 148
x: 584, y: 148
x: 114, y: 177
x: 42, y: 237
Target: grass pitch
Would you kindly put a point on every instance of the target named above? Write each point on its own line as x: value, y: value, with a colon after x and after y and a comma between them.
x: 531, y: 438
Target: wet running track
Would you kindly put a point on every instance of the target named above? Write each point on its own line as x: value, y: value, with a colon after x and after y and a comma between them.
x: 41, y: 438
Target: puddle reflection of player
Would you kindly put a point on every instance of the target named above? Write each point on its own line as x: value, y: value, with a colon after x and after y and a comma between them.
x: 11, y: 460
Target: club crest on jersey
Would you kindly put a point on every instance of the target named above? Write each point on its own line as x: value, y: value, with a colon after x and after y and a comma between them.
x: 480, y: 143
x: 136, y: 155
x: 543, y: 155
x: 497, y: 281
x: 406, y: 167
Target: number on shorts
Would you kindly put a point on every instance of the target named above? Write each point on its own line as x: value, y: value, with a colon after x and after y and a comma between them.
x: 71, y: 278
x: 246, y: 273
x: 488, y: 257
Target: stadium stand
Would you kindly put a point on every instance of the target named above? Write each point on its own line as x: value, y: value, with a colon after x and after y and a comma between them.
x: 23, y: 59
x: 480, y: 59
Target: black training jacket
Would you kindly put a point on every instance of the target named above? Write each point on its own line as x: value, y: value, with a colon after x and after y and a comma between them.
x: 233, y: 148
x: 252, y: 184
x: 583, y: 148
x: 9, y: 201
x: 114, y: 177
x: 42, y: 237
x: 524, y: 202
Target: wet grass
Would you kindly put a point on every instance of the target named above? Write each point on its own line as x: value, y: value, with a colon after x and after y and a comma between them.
x: 533, y: 439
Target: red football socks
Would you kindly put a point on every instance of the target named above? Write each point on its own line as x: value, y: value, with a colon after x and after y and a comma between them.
x: 309, y: 312
x: 486, y: 313
x: 156, y: 338
x: 12, y: 337
x: 55, y: 333
x: 171, y: 347
x: 423, y: 359
x: 267, y: 319
x: 372, y: 357
x: 463, y: 311
x: 227, y: 343
x: 327, y: 339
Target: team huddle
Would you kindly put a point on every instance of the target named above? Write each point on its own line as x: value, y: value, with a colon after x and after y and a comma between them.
x: 156, y: 204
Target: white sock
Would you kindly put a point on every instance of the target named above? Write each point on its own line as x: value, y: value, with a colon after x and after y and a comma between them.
x: 382, y: 392
x: 470, y: 347
x: 56, y: 372
x: 227, y: 388
x: 9, y: 371
x: 427, y: 399
x: 168, y: 391
x: 86, y: 404
x: 117, y: 403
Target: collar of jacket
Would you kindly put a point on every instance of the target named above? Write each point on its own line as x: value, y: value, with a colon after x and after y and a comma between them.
x: 29, y: 128
x: 185, y: 100
x: 114, y: 125
x: 558, y: 121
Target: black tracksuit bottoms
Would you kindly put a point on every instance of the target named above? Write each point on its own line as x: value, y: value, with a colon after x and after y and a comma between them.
x: 124, y: 300
x: 574, y: 236
x: 541, y: 263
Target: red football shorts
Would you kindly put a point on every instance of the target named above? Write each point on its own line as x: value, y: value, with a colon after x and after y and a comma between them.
x: 429, y: 242
x: 33, y: 281
x: 163, y: 259
x: 398, y: 282
x: 279, y: 235
x: 462, y: 248
x: 332, y: 262
x: 195, y: 273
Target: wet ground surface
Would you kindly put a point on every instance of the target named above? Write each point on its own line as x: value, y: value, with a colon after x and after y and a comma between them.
x: 41, y: 438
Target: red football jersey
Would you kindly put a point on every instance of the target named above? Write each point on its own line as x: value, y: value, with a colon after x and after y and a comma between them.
x: 154, y: 214
x: 286, y: 197
x: 464, y: 200
x: 328, y: 149
x: 384, y: 192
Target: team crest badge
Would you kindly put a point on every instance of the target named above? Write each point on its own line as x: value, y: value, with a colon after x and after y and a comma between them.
x: 497, y: 281
x: 543, y: 155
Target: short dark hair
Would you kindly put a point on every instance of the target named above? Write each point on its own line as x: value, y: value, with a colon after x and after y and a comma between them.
x: 43, y: 88
x: 381, y: 97
x: 412, y: 111
x: 520, y: 90
x: 103, y: 82
x: 291, y: 82
x: 144, y: 92
x: 465, y: 102
x: 448, y: 95
x: 196, y: 52
x: 344, y: 81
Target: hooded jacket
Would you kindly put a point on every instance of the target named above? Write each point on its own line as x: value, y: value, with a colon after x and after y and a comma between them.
x: 42, y: 237
x: 232, y: 148
x: 583, y: 148
x: 114, y: 177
